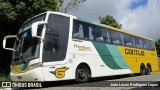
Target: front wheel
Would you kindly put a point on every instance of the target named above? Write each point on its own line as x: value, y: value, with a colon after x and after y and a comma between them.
x: 82, y: 74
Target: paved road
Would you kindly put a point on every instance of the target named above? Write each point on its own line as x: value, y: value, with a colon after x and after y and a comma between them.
x: 105, y: 82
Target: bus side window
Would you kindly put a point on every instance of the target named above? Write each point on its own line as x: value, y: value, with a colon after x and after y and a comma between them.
x: 128, y: 40
x: 144, y: 44
x: 78, y: 33
x: 105, y: 35
x: 151, y: 45
x: 137, y: 42
x: 133, y: 40
x: 90, y: 33
x: 98, y: 34
x: 147, y: 44
x: 141, y: 43
x: 117, y: 38
x: 51, y: 48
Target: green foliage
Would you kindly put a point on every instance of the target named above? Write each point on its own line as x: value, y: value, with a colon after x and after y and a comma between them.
x: 4, y: 77
x: 12, y: 14
x: 21, y: 10
x: 110, y: 21
x: 7, y: 13
x: 157, y: 44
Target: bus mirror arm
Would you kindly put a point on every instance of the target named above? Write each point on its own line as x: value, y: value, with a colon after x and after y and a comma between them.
x: 5, y: 39
x: 35, y: 28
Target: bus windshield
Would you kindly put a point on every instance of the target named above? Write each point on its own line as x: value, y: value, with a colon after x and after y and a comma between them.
x: 26, y: 47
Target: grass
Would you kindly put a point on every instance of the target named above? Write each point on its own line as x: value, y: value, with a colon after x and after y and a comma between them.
x: 5, y: 78
x: 2, y: 79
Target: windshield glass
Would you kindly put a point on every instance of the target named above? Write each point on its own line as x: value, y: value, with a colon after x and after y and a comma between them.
x: 26, y: 47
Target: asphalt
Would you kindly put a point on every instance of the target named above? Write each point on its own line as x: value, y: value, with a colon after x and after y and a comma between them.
x: 135, y: 82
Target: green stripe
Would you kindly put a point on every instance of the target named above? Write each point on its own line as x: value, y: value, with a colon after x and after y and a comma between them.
x: 117, y: 56
x: 110, y: 56
x: 95, y: 23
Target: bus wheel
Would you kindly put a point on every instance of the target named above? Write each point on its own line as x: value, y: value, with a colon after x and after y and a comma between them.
x: 142, y: 70
x: 82, y: 74
x: 148, y: 70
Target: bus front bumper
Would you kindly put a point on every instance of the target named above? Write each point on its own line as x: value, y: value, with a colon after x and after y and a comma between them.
x: 30, y: 75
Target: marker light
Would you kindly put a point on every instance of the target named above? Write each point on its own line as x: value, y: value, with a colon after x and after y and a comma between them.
x: 36, y: 65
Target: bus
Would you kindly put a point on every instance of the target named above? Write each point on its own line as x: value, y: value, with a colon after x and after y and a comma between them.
x: 54, y: 46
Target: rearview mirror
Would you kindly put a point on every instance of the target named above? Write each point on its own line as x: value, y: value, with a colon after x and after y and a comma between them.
x: 35, y: 28
x: 5, y: 39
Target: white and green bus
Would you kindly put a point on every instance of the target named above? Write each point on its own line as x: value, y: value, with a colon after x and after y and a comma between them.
x: 54, y: 46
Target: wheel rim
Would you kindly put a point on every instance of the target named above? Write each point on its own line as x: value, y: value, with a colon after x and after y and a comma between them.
x: 148, y: 70
x: 82, y: 73
x: 143, y: 71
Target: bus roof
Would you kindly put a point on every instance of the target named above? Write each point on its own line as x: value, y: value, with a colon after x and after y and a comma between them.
x: 98, y: 24
x: 113, y: 28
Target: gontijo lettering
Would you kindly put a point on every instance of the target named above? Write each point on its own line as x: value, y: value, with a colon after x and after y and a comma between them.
x: 134, y: 52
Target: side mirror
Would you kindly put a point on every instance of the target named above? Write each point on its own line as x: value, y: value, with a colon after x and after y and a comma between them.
x: 5, y: 39
x: 35, y: 28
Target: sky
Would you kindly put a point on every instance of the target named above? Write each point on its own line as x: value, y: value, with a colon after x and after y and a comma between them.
x: 141, y: 17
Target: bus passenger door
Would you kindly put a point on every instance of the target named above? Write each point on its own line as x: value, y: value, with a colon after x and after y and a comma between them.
x: 50, y: 55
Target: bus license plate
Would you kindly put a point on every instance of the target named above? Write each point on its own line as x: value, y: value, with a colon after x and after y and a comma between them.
x: 19, y: 77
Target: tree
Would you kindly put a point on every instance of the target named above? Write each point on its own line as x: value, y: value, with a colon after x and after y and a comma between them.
x: 109, y: 20
x: 157, y: 44
x: 67, y: 5
x: 14, y: 12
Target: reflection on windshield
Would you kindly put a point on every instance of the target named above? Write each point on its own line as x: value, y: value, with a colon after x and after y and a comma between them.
x: 28, y: 24
x: 27, y: 48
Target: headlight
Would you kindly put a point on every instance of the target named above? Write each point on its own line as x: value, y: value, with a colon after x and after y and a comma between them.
x: 36, y: 65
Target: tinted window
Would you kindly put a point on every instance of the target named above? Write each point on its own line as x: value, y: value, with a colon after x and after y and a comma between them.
x: 117, y: 38
x: 106, y: 35
x: 151, y: 45
x: 58, y: 30
x: 51, y: 46
x: 87, y: 31
x: 78, y: 30
x: 129, y: 40
x: 144, y: 44
x: 97, y: 32
x: 83, y: 30
x: 138, y: 42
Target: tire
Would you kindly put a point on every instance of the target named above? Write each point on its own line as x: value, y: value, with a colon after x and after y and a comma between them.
x: 82, y: 74
x: 143, y: 71
x: 148, y: 70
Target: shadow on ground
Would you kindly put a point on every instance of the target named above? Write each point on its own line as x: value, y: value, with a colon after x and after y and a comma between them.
x: 73, y: 83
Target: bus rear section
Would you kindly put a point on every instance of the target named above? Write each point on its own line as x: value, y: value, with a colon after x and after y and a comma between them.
x: 114, y: 51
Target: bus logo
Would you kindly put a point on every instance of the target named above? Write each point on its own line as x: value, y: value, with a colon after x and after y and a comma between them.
x: 60, y: 72
x: 134, y: 52
x: 82, y: 48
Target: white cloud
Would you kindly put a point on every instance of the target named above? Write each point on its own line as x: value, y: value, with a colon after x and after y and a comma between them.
x: 142, y: 20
